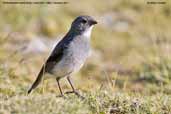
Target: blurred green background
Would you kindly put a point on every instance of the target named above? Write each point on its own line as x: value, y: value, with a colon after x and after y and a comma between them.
x: 131, y: 46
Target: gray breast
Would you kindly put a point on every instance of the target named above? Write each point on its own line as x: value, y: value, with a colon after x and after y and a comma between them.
x: 78, y: 52
x: 74, y: 57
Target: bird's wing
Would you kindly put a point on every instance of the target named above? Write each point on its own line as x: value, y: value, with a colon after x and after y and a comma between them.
x: 57, y: 53
x: 55, y: 57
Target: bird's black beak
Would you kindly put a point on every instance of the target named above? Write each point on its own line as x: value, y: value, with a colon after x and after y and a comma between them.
x: 93, y: 22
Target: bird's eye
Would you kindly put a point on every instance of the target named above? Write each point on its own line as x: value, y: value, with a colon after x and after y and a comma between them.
x: 84, y: 21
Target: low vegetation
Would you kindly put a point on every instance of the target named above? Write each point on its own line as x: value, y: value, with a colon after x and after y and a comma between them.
x: 129, y: 71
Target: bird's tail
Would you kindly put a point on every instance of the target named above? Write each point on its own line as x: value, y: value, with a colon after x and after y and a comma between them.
x: 38, y: 80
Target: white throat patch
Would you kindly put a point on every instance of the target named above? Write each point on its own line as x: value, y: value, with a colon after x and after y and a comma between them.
x: 87, y: 33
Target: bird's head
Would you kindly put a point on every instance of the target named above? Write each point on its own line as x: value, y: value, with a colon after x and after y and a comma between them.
x: 83, y: 25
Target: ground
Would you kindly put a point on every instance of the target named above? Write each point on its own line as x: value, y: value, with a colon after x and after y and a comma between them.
x: 129, y: 71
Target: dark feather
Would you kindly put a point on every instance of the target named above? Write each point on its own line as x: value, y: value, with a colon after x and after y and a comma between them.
x: 38, y: 80
x: 58, y: 52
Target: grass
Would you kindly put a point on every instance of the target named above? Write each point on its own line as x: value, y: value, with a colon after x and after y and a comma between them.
x: 99, y: 102
x: 128, y: 73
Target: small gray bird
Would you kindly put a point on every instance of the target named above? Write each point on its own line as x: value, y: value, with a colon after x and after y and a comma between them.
x: 70, y: 53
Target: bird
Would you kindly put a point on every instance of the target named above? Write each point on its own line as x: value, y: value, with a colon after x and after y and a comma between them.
x: 70, y: 54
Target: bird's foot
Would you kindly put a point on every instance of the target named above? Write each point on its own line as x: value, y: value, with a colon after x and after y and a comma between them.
x: 62, y: 96
x: 76, y: 93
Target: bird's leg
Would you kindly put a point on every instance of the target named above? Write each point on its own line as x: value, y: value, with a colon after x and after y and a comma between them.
x: 73, y: 89
x: 60, y: 89
x: 69, y: 80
